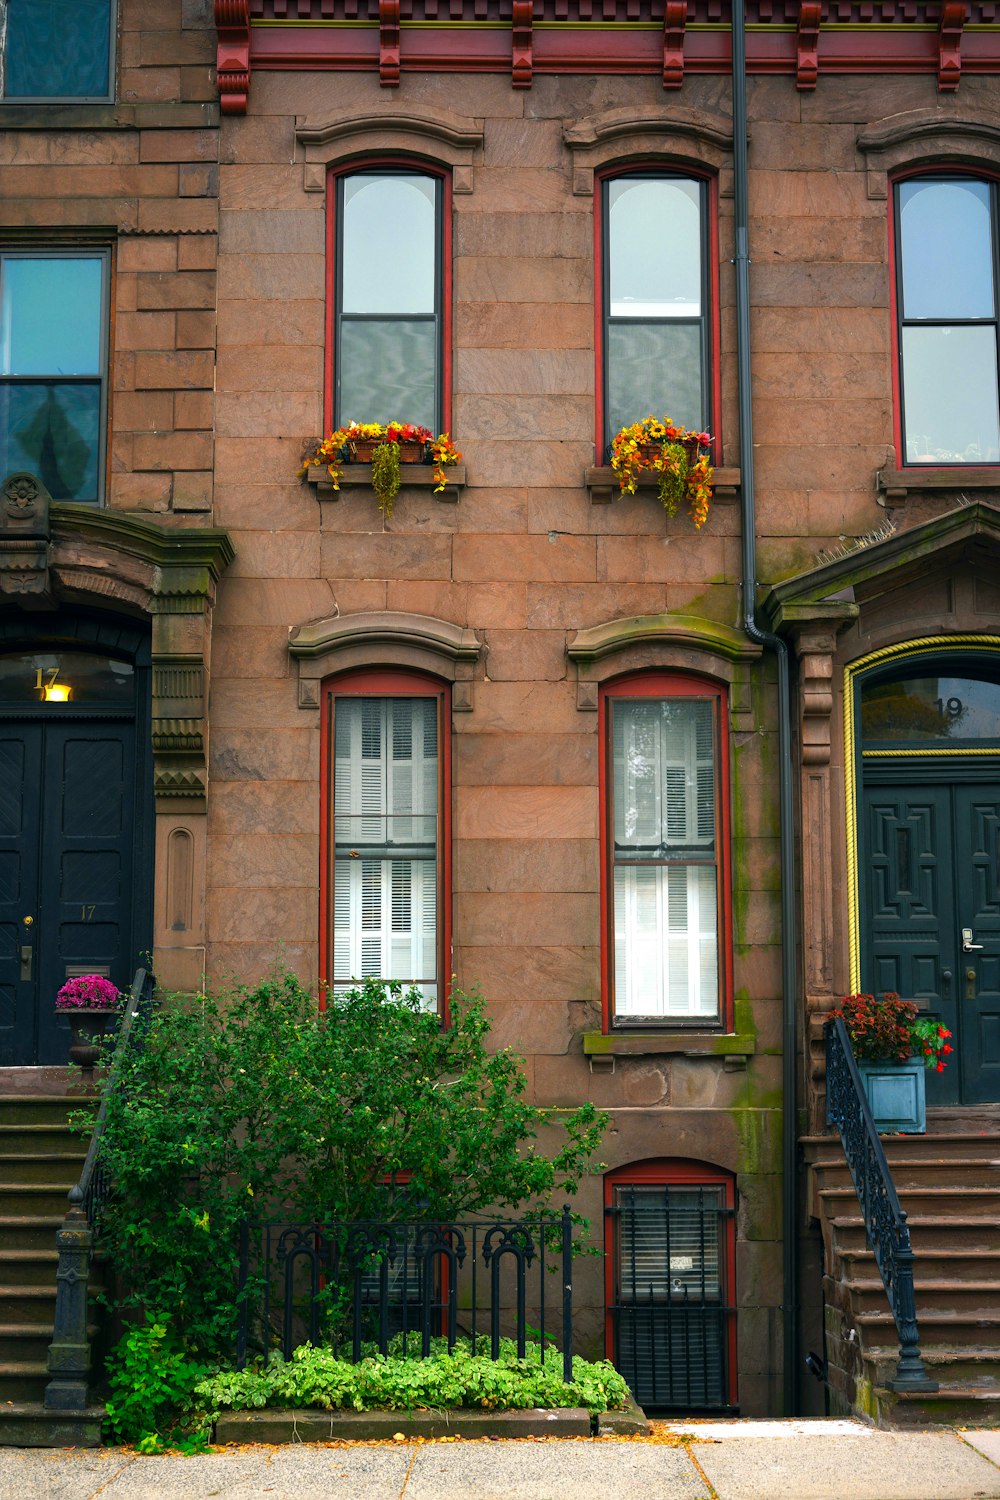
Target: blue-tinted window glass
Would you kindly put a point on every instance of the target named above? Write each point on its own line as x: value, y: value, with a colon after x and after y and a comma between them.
x: 50, y: 315
x: 655, y: 367
x: 390, y: 233
x: 950, y: 394
x: 53, y: 430
x: 947, y: 249
x: 57, y: 49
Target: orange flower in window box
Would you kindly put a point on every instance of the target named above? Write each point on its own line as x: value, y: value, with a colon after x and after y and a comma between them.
x: 385, y: 447
x: 678, y: 457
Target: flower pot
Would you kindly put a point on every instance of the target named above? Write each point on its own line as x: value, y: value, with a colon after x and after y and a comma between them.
x: 897, y: 1095
x: 87, y: 1028
x: 409, y: 453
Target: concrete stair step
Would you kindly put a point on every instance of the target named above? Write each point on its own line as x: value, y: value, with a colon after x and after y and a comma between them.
x: 29, y: 1231
x: 954, y: 1266
x: 28, y: 1304
x: 920, y: 1174
x: 28, y: 1267
x: 951, y: 1330
x: 974, y: 1365
x: 23, y: 1341
x: 42, y: 1167
x: 23, y: 1380
x: 925, y: 1201
x: 29, y: 1199
x: 27, y: 1424
x: 927, y: 1231
x: 933, y: 1296
x: 38, y: 1109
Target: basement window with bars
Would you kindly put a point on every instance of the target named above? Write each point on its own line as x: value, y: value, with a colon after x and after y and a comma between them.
x: 386, y: 862
x: 671, y: 1320
x: 664, y: 845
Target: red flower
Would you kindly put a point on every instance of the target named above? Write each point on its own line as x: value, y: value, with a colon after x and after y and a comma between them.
x: 939, y: 1068
x: 947, y: 1049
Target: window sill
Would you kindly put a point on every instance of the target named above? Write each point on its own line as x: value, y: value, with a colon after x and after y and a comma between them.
x: 603, y: 485
x: 895, y: 485
x: 412, y: 476
x: 683, y: 1043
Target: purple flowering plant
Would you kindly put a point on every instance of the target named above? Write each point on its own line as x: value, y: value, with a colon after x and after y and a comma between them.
x: 88, y: 992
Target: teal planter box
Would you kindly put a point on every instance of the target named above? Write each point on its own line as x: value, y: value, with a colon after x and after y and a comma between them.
x: 897, y: 1095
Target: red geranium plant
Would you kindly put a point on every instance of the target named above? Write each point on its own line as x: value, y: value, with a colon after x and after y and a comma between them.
x: 889, y: 1029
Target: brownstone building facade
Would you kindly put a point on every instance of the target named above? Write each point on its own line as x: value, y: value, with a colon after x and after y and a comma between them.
x: 518, y: 732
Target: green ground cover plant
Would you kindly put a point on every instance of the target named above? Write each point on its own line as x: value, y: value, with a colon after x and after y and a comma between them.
x: 314, y: 1377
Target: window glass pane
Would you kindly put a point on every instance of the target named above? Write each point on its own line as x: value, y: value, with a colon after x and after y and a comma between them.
x: 388, y: 371
x: 947, y: 249
x: 950, y: 395
x: 53, y: 431
x: 655, y: 368
x: 385, y: 834
x: 664, y: 788
x: 50, y: 315
x: 36, y: 677
x: 932, y: 708
x: 389, y: 240
x: 654, y: 243
x: 666, y: 947
x: 57, y: 49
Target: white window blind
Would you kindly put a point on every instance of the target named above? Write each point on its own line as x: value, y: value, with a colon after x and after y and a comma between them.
x: 385, y: 841
x: 664, y: 887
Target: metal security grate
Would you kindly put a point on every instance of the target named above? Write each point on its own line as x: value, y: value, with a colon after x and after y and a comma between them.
x: 670, y: 1318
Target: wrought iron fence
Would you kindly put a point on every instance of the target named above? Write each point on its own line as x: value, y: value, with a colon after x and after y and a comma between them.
x: 361, y: 1284
x: 886, y: 1229
x: 671, y: 1321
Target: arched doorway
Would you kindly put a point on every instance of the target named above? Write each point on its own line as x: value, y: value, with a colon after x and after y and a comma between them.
x: 76, y: 809
x: 924, y: 719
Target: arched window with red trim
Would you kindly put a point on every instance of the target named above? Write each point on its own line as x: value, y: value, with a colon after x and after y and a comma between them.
x: 665, y: 876
x: 658, y: 252
x: 386, y: 837
x: 946, y: 290
x: 389, y: 296
x: 670, y: 1255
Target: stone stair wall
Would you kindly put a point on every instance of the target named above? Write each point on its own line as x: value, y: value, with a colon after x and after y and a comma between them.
x: 40, y: 1160
x: 948, y: 1183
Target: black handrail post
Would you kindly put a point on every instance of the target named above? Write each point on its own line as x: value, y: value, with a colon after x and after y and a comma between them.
x: 567, y: 1276
x: 886, y: 1229
x: 68, y: 1359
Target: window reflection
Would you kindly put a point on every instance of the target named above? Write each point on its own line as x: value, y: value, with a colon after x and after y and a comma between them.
x: 931, y: 708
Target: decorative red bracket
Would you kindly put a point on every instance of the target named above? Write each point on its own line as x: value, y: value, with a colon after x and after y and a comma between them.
x: 521, y: 58
x: 674, y: 22
x: 807, y: 49
x: 232, y: 57
x: 388, y: 43
x: 954, y: 14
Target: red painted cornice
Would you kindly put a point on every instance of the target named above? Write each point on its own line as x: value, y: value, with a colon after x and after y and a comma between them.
x: 232, y: 22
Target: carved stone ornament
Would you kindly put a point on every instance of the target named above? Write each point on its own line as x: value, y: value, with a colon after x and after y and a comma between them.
x: 24, y: 541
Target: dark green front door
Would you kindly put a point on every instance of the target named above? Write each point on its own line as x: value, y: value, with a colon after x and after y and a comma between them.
x: 930, y: 906
x: 68, y: 886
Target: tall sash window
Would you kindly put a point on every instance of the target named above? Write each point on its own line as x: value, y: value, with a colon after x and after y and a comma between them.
x: 664, y: 854
x: 386, y: 840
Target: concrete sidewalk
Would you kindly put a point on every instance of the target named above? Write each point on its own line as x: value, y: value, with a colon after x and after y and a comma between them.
x: 831, y: 1460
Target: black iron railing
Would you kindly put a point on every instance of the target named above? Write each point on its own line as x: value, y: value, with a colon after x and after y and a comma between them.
x: 69, y: 1352
x: 361, y: 1284
x: 886, y: 1229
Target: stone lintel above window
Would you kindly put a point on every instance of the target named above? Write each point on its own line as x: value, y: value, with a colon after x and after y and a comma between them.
x: 385, y: 639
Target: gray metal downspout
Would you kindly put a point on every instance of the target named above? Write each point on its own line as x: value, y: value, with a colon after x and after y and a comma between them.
x: 766, y: 638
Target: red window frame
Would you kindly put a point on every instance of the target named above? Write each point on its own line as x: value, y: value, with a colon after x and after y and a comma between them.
x: 408, y: 164
x: 930, y: 171
x: 667, y: 685
x: 646, y: 167
x: 674, y: 1172
x: 387, y: 682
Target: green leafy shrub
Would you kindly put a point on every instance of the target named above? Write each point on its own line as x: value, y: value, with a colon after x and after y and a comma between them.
x: 254, y: 1102
x: 152, y: 1379
x: 315, y: 1377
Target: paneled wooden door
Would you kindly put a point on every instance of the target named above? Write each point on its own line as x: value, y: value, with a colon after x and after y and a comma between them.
x: 71, y: 886
x: 930, y: 907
